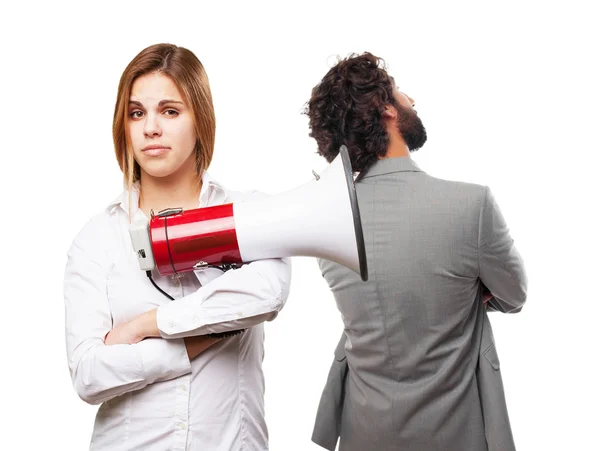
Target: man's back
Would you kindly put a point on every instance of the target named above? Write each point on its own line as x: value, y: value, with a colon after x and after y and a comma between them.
x: 414, y: 328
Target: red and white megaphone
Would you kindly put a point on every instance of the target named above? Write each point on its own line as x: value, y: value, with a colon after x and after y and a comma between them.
x: 318, y: 219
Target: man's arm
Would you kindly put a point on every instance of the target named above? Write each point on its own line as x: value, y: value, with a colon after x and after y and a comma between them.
x: 501, y: 268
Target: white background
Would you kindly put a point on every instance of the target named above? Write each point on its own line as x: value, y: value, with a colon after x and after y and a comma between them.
x: 509, y: 93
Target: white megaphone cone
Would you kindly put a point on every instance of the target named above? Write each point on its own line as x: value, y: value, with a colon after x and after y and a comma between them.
x: 318, y: 219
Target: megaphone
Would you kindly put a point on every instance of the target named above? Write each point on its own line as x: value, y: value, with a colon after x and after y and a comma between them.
x: 318, y: 219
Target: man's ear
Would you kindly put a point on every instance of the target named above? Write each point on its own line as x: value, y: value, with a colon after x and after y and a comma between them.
x: 390, y: 112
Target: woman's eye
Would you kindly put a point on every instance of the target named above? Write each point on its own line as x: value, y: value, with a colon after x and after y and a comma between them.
x: 171, y: 112
x: 136, y: 114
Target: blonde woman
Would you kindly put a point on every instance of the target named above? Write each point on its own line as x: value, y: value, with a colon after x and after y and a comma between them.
x: 162, y: 380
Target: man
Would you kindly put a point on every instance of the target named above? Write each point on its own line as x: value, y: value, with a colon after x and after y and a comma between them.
x: 416, y: 367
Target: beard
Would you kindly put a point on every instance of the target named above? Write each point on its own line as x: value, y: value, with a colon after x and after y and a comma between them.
x: 411, y: 128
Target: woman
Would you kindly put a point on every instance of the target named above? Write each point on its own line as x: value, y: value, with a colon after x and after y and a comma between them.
x: 178, y: 389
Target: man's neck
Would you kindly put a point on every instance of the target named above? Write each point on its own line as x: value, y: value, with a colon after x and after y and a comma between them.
x: 394, y: 152
x: 396, y: 147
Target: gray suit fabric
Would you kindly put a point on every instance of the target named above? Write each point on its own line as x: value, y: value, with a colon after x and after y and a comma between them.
x: 416, y: 367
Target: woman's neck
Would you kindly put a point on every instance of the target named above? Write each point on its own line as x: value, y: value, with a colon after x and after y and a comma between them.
x: 169, y: 192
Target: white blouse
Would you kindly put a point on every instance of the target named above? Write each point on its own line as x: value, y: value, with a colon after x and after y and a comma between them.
x: 153, y: 397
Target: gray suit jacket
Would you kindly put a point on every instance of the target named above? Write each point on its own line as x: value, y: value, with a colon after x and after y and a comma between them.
x: 416, y: 367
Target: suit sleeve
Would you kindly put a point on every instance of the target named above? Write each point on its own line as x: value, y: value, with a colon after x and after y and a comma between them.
x: 501, y: 267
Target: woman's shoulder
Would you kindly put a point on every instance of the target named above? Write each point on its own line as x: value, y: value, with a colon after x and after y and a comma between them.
x: 98, y: 232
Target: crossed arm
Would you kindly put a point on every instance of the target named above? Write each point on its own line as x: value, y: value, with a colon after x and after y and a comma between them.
x: 501, y: 267
x: 158, y: 345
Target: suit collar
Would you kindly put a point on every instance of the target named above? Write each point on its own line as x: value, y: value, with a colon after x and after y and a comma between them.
x: 390, y: 165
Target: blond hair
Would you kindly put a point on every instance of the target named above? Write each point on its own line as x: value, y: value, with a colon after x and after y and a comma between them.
x: 188, y: 74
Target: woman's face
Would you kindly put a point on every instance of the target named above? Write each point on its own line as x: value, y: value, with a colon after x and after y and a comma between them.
x: 160, y: 127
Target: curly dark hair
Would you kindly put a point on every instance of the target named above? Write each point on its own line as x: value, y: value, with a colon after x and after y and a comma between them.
x: 347, y: 107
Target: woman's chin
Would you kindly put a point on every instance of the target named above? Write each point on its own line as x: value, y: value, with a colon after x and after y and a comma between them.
x: 158, y: 171
x: 164, y: 168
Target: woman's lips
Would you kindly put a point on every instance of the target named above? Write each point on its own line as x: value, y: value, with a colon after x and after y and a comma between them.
x: 155, y: 151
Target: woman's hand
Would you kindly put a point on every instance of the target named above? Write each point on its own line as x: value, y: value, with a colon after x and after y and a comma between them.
x: 134, y: 331
x: 123, y: 334
x: 197, y: 345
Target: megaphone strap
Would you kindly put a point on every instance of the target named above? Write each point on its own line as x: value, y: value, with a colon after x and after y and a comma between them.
x: 169, y: 246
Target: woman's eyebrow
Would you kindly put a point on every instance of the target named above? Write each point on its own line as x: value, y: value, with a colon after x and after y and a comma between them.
x: 165, y: 101
x: 161, y: 103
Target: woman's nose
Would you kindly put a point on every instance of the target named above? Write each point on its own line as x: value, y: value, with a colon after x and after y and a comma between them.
x: 152, y: 126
